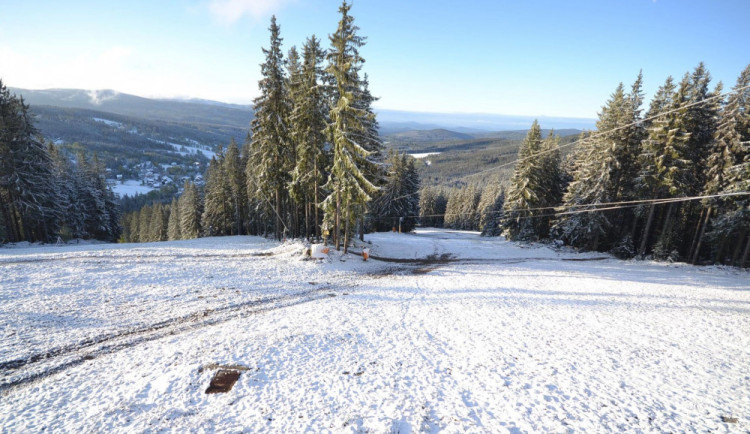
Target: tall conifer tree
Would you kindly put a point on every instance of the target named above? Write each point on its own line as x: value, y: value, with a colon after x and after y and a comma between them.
x: 173, y: 225
x: 308, y: 123
x: 191, y: 209
x: 349, y: 131
x: 526, y: 191
x: 271, y: 160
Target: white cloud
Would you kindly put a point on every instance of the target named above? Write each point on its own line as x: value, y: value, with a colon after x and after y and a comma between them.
x: 127, y: 70
x: 85, y: 70
x: 229, y: 11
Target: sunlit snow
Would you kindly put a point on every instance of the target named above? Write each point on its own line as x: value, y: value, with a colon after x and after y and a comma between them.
x: 447, y: 331
x: 130, y: 188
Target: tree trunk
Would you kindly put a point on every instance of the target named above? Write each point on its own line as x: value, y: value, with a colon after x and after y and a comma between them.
x: 237, y: 220
x: 667, y: 219
x: 746, y: 253
x: 279, y: 222
x: 336, y: 221
x: 317, y: 220
x: 362, y: 228
x: 646, y: 231
x: 346, y: 229
x: 697, y: 250
x: 718, y: 258
x: 696, y: 235
x: 307, y: 220
x: 667, y: 226
x: 297, y: 226
x: 10, y: 226
x: 18, y: 226
x: 737, y: 249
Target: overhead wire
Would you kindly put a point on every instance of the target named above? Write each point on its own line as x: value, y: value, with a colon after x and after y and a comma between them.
x: 609, y: 206
x: 603, y: 133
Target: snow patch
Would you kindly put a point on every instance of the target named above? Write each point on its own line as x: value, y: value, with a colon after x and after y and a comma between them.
x: 130, y: 188
x: 108, y: 122
x: 496, y: 337
x: 424, y: 154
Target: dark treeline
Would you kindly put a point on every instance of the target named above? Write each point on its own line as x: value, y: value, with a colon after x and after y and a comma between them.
x: 313, y: 164
x: 692, y: 141
x: 471, y: 207
x: 43, y: 194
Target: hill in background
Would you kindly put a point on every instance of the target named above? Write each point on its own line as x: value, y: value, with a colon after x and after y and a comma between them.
x: 155, y: 142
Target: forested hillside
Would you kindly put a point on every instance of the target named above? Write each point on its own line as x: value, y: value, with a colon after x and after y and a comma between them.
x: 670, y: 182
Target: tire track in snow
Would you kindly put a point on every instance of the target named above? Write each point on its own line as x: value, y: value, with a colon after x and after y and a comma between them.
x: 112, y: 258
x: 90, y: 349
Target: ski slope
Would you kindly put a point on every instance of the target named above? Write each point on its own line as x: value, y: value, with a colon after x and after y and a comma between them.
x: 445, y: 332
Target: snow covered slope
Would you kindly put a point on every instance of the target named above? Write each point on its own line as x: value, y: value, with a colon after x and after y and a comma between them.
x: 447, y: 331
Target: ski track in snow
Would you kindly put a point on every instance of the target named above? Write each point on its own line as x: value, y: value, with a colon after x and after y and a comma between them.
x: 501, y: 338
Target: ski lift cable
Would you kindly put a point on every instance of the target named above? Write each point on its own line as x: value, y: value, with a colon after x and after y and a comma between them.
x: 603, y: 133
x: 609, y: 206
x: 626, y: 202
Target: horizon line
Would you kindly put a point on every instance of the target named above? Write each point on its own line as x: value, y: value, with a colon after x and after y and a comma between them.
x: 250, y: 105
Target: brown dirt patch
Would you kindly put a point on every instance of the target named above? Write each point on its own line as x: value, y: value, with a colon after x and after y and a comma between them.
x: 223, y: 381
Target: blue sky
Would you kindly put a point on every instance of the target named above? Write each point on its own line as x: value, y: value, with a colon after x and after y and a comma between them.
x: 535, y: 58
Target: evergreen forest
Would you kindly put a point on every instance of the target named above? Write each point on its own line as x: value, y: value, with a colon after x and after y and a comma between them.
x: 670, y: 181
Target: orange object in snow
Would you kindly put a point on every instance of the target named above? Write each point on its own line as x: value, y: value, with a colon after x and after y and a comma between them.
x: 365, y: 253
x: 319, y: 251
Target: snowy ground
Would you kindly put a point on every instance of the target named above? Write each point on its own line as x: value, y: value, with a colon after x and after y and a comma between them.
x: 447, y: 332
x: 424, y: 154
x: 131, y: 188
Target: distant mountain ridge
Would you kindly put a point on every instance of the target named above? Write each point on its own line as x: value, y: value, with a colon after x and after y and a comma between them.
x: 201, y: 111
x: 471, y: 123
x: 127, y: 131
x: 185, y: 111
x: 431, y: 136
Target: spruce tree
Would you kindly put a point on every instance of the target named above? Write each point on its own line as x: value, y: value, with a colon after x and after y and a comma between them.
x: 191, y: 209
x: 491, y: 210
x: 135, y: 227
x: 551, y: 183
x: 308, y: 124
x: 271, y: 160
x: 452, y: 218
x: 144, y: 225
x: 432, y: 206
x: 397, y: 202
x: 235, y: 176
x: 173, y: 225
x: 27, y: 184
x: 217, y: 216
x: 525, y: 193
x: 578, y: 226
x: 158, y: 223
x: 96, y: 200
x: 462, y: 208
x: 64, y: 173
x: 126, y: 222
x: 729, y: 172
x: 605, y: 172
x: 675, y: 169
x: 349, y: 131
x: 649, y: 184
